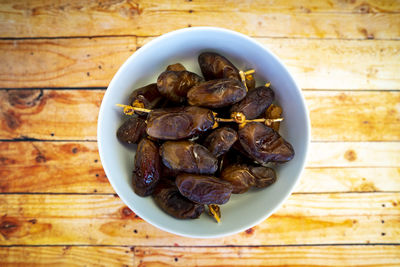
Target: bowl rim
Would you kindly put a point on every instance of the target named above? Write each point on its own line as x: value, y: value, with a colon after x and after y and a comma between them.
x: 161, y: 38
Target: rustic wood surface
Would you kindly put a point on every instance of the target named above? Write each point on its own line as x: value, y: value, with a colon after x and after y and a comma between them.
x: 56, y: 204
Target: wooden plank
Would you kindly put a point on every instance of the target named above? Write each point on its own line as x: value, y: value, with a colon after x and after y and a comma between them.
x: 346, y: 64
x: 62, y: 62
x: 349, y: 180
x: 354, y: 154
x: 74, y: 167
x: 67, y: 62
x: 49, y: 114
x: 66, y: 256
x: 82, y: 18
x: 358, y: 218
x: 60, y: 167
x: 269, y: 256
x: 295, y: 6
x: 72, y: 114
x: 334, y: 115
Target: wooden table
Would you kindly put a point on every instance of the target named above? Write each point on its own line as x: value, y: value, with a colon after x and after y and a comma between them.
x: 56, y: 60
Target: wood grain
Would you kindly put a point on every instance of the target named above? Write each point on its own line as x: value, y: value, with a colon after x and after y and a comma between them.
x: 66, y: 256
x: 87, y: 18
x: 57, y: 167
x: 75, y: 167
x: 358, y: 218
x: 94, y: 61
x: 354, y: 154
x: 349, y: 180
x: 49, y: 114
x: 285, y: 6
x: 72, y: 115
x: 269, y: 256
x: 334, y: 115
x: 62, y: 62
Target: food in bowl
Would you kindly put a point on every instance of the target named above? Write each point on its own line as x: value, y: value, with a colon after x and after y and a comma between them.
x: 185, y: 159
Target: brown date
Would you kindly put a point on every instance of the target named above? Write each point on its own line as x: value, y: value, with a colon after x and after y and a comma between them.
x: 216, y: 93
x: 264, y: 176
x: 214, y: 66
x: 204, y: 189
x: 220, y: 140
x: 239, y: 176
x: 148, y: 96
x: 255, y: 102
x: 174, y: 85
x: 175, y: 67
x: 146, y: 173
x: 168, y: 198
x: 263, y: 144
x: 187, y: 156
x: 132, y: 130
x: 167, y: 173
x: 233, y: 157
x: 178, y: 123
x: 243, y: 176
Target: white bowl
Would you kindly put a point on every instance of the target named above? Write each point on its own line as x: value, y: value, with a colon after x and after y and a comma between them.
x: 143, y: 67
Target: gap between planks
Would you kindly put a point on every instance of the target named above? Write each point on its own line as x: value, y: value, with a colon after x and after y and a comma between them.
x: 206, y: 246
x: 202, y: 256
x: 155, y: 36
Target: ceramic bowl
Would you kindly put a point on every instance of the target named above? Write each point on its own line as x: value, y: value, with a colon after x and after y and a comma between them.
x: 143, y: 67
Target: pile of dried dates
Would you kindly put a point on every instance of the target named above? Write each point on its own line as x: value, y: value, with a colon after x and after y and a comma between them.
x: 202, y: 139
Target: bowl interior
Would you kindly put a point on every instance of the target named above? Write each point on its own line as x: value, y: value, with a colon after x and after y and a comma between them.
x: 143, y: 67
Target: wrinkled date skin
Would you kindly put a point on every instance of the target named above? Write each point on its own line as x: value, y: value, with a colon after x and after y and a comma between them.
x: 243, y: 176
x: 239, y: 176
x: 178, y: 123
x: 233, y: 157
x: 214, y: 66
x: 167, y: 173
x: 187, y: 156
x: 221, y: 140
x: 204, y: 189
x: 148, y: 95
x: 175, y: 67
x: 263, y: 144
x: 174, y: 85
x: 216, y: 93
x: 255, y: 102
x: 264, y: 176
x: 146, y: 173
x: 132, y: 130
x: 168, y: 198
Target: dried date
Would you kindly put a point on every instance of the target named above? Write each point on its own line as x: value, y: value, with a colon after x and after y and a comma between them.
x: 179, y: 123
x: 204, y: 189
x: 216, y: 93
x: 169, y: 199
x: 146, y: 97
x: 174, y: 85
x: 221, y: 140
x: 132, y: 130
x: 187, y: 156
x: 214, y: 66
x: 263, y: 144
x: 175, y: 67
x: 243, y: 176
x: 146, y: 173
x: 255, y: 102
